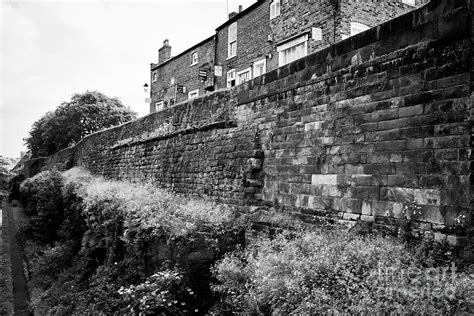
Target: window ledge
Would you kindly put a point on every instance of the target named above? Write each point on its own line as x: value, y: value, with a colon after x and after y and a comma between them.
x: 193, y: 65
x: 231, y: 57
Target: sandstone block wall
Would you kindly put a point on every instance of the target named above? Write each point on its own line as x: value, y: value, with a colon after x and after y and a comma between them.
x: 375, y: 128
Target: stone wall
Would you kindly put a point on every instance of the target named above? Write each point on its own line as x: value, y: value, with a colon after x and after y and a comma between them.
x: 370, y: 129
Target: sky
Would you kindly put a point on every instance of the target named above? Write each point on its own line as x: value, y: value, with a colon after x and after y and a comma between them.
x: 50, y: 50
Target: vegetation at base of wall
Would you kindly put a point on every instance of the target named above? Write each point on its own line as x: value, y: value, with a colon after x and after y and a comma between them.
x: 330, y: 272
x: 108, y: 236
x: 90, y: 244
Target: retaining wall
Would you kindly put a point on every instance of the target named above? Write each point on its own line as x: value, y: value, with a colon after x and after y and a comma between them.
x: 369, y: 129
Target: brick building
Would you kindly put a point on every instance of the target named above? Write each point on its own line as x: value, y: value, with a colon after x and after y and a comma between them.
x: 265, y: 36
x: 185, y: 76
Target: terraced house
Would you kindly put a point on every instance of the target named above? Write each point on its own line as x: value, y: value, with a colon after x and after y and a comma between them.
x: 261, y: 38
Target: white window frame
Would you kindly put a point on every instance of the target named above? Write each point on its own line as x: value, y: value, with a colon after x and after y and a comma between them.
x: 357, y: 28
x: 410, y: 2
x: 194, y: 58
x: 231, y: 75
x: 193, y: 94
x: 258, y: 63
x: 248, y: 70
x: 275, y: 8
x: 159, y: 106
x: 172, y: 81
x: 283, y: 48
x: 232, y: 40
x: 155, y: 76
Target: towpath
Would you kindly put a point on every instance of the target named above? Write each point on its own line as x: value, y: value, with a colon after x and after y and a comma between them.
x: 12, y: 262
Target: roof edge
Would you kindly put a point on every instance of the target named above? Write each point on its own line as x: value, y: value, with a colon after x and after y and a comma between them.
x: 240, y: 14
x: 184, y: 52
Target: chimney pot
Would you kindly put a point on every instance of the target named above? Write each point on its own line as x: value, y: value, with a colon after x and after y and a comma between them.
x: 240, y: 8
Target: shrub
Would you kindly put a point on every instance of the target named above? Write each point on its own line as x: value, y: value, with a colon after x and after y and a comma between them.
x: 331, y: 272
x: 163, y: 293
x: 42, y: 195
x: 14, y: 184
x: 103, y: 243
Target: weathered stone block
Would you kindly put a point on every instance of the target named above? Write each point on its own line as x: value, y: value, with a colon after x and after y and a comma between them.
x: 350, y: 217
x: 427, y: 196
x: 367, y: 218
x: 397, y: 194
x: 330, y: 179
x: 366, y: 207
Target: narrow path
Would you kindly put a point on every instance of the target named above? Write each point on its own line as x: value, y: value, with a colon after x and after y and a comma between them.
x: 6, y: 292
x: 20, y: 290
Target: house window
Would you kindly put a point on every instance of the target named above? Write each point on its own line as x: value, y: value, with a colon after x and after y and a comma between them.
x: 231, y: 78
x: 159, y: 106
x: 357, y: 28
x: 193, y: 94
x: 194, y: 58
x: 274, y: 9
x: 259, y: 68
x: 293, y: 50
x: 232, y: 40
x: 244, y: 75
x: 410, y: 2
x: 155, y: 76
x: 172, y: 81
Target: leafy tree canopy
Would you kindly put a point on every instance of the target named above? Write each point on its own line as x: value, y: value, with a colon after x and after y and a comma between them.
x: 5, y: 174
x: 71, y: 121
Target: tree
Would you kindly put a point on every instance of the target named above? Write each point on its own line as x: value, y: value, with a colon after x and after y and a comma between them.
x: 5, y: 174
x: 71, y: 121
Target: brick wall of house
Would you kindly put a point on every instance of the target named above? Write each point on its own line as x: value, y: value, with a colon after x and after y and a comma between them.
x: 298, y: 16
x: 252, y: 34
x: 370, y: 13
x: 363, y: 130
x: 179, y: 68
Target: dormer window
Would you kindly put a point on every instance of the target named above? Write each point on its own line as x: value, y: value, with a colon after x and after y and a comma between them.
x: 274, y: 9
x: 194, y: 58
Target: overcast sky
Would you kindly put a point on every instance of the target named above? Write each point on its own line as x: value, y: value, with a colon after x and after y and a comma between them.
x: 50, y: 50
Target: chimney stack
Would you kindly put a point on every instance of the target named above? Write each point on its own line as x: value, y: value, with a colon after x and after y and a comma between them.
x: 164, y: 53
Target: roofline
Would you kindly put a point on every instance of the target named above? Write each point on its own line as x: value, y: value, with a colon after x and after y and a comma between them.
x: 240, y: 14
x: 185, y: 52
